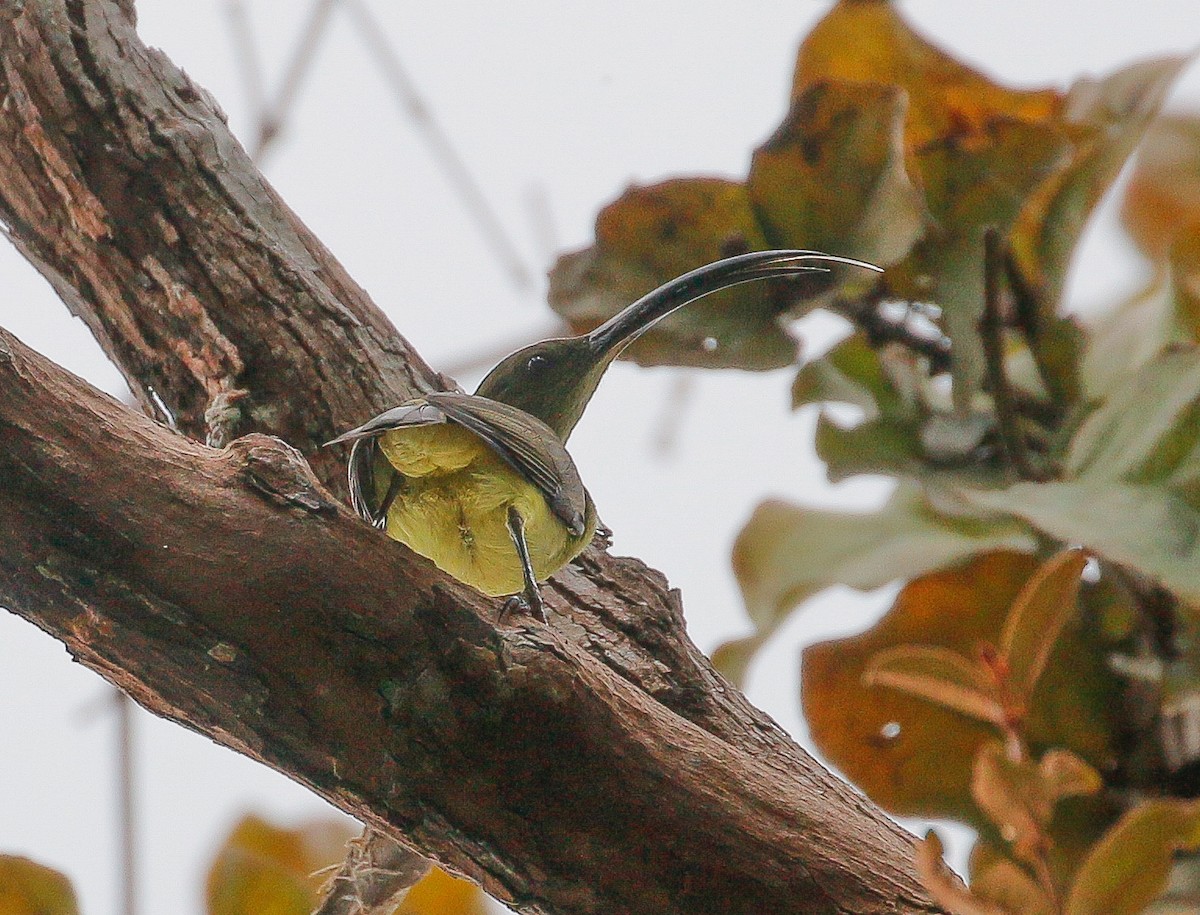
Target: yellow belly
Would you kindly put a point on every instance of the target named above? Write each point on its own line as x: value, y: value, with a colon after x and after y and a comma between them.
x: 453, y: 509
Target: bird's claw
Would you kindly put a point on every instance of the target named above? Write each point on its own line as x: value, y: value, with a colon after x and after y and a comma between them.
x: 530, y: 602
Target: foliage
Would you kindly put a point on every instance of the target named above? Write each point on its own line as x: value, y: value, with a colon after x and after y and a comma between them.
x: 27, y: 888
x: 1046, y: 518
x: 263, y: 869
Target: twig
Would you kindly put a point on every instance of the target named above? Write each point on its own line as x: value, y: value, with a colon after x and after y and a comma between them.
x: 127, y: 812
x: 274, y: 116
x: 245, y: 54
x: 485, y: 359
x: 880, y: 331
x: 405, y: 91
x: 991, y: 329
x: 681, y: 394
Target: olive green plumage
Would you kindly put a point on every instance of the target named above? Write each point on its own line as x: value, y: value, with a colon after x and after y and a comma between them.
x: 482, y: 483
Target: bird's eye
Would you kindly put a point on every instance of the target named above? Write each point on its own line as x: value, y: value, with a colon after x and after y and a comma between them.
x: 535, y: 362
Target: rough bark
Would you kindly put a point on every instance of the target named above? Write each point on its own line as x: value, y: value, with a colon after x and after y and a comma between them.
x: 597, y: 764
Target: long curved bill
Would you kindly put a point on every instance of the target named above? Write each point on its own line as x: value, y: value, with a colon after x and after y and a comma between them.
x: 623, y: 328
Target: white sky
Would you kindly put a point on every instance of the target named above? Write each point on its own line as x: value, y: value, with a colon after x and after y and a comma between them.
x: 570, y: 102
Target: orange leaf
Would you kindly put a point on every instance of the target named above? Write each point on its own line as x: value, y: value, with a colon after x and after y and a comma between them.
x: 915, y: 758
x: 940, y: 675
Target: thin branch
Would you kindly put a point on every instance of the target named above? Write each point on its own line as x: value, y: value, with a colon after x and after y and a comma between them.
x: 246, y: 57
x: 301, y: 61
x: 881, y: 331
x: 442, y: 148
x: 126, y: 804
x: 991, y: 331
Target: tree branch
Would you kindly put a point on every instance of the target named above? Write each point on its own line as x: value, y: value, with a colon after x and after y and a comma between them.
x: 598, y: 764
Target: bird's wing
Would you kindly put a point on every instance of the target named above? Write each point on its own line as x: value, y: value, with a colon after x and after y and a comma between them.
x: 541, y: 458
x: 416, y: 412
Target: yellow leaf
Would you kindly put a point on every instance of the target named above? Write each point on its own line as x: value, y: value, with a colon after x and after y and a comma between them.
x: 439, y: 893
x: 264, y: 869
x: 27, y: 888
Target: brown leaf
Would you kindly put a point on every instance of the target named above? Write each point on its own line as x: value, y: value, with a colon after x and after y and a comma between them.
x: 915, y: 758
x: 1003, y: 882
x: 1019, y: 795
x: 940, y: 675
x: 1162, y: 200
x: 653, y: 234
x: 944, y: 885
x: 28, y: 888
x: 832, y: 177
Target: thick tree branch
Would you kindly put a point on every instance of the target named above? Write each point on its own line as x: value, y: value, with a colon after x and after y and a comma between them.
x: 228, y: 591
x: 598, y: 764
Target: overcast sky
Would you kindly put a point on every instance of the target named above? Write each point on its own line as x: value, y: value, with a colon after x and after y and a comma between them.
x: 566, y: 104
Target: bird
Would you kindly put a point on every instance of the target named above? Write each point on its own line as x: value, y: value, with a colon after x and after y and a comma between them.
x: 482, y: 484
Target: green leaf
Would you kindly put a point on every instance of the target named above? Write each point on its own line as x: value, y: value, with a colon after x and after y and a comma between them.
x: 853, y: 373
x: 1123, y: 433
x: 1148, y: 528
x: 787, y: 553
x: 28, y: 888
x: 832, y: 177
x: 940, y: 675
x: 1128, y: 868
x: 1037, y: 618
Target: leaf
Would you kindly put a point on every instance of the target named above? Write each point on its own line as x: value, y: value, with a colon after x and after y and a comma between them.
x: 787, y: 553
x: 1162, y: 199
x: 1128, y: 868
x: 1147, y: 528
x: 944, y: 885
x: 1123, y: 433
x: 1037, y: 618
x: 915, y: 758
x: 265, y: 870
x: 940, y: 675
x: 28, y: 888
x: 1000, y: 881
x: 852, y: 372
x: 1114, y: 353
x: 1019, y: 796
x: 832, y: 177
x: 871, y: 42
x: 651, y: 235
x: 439, y: 893
x: 1107, y: 118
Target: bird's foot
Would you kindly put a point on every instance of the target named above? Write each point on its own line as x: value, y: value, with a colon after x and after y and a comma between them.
x: 603, y: 538
x: 530, y: 602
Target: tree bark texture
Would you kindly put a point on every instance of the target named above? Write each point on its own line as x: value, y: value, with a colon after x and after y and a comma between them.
x: 597, y: 764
